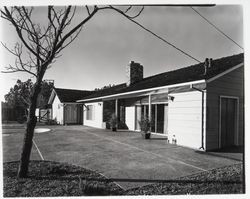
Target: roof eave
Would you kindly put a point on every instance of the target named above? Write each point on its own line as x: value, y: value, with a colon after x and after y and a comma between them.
x: 141, y: 91
x: 225, y: 72
x: 52, y: 97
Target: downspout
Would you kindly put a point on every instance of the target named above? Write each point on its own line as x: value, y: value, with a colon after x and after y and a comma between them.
x: 202, y: 115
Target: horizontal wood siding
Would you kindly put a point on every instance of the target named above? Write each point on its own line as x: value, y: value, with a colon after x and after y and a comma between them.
x: 130, y: 117
x: 57, y: 110
x: 184, y: 118
x: 70, y: 113
x: 230, y: 84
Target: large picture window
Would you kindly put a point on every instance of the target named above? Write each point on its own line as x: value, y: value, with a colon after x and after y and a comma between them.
x: 90, y: 112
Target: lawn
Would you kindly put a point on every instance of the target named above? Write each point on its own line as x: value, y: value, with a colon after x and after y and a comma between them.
x: 57, y: 179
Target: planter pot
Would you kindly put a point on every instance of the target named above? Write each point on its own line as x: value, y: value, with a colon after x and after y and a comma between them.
x: 146, y: 135
x: 113, y: 128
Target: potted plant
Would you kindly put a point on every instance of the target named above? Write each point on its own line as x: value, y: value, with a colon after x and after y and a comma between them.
x: 145, y: 125
x: 113, y: 122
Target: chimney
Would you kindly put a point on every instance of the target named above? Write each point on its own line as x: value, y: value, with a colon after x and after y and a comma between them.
x: 207, y: 65
x: 134, y: 73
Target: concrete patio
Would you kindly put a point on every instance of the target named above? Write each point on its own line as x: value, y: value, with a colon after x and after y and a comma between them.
x: 119, y: 155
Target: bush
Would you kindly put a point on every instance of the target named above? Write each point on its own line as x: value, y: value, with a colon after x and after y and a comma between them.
x: 113, y: 121
x: 145, y: 124
x: 51, y: 122
x: 21, y: 119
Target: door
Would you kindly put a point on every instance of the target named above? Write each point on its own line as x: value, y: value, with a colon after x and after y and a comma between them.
x: 228, y: 122
x: 160, y: 118
x: 79, y: 116
x: 158, y: 112
x: 70, y: 114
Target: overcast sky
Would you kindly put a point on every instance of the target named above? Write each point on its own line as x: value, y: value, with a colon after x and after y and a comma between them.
x: 109, y: 41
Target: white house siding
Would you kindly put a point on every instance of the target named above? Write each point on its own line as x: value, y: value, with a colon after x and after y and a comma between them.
x: 57, y: 110
x: 97, y: 120
x: 185, y: 118
x: 130, y: 118
x: 230, y: 84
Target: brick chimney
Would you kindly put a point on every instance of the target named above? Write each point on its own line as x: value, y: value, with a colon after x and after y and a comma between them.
x: 134, y: 73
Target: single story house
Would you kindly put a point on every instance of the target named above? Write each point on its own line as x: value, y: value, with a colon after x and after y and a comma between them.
x: 64, y: 106
x: 200, y: 106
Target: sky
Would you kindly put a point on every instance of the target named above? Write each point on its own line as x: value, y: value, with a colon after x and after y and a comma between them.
x: 108, y: 42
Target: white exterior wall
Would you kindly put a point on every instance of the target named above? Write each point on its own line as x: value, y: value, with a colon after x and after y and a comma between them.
x: 57, y: 110
x: 37, y: 112
x: 130, y: 117
x: 185, y: 117
x: 97, y: 115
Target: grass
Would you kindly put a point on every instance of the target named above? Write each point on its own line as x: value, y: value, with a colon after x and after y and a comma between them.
x: 57, y: 179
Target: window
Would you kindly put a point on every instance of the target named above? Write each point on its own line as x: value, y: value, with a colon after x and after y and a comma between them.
x: 90, y: 112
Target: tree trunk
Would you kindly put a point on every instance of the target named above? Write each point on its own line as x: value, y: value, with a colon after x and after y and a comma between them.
x: 28, y: 137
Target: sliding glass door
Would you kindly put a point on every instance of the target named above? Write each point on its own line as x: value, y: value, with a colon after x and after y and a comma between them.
x: 158, y: 116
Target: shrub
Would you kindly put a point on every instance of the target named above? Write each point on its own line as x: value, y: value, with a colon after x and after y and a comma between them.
x: 145, y: 124
x: 21, y: 119
x: 113, y: 121
x: 51, y: 122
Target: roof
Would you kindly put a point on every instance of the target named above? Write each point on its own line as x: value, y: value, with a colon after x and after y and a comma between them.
x: 70, y: 95
x: 186, y: 74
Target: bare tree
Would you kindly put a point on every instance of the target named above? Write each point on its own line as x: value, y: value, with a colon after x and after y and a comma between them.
x: 40, y: 45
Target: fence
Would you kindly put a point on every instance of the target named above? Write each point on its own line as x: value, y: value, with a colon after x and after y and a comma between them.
x: 13, y: 114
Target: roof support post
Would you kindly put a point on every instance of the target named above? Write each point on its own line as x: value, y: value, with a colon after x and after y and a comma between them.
x: 149, y: 109
x: 116, y: 111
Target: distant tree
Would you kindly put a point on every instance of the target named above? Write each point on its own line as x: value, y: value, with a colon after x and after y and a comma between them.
x: 104, y: 87
x: 42, y: 45
x: 19, y: 95
x: 45, y: 93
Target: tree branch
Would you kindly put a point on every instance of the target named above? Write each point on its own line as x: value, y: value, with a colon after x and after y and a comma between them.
x: 19, y: 32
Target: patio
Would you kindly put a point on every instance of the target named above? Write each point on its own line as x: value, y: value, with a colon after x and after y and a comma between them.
x: 119, y: 155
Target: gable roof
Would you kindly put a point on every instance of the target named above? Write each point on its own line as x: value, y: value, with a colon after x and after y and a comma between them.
x: 71, y: 95
x: 187, y: 74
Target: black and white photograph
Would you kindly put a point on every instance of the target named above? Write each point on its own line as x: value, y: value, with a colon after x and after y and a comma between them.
x: 123, y: 99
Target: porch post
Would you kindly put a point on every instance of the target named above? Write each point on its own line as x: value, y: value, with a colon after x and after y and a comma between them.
x: 149, y: 107
x: 116, y: 111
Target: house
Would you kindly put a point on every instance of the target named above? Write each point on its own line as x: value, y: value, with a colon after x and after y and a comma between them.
x: 200, y: 106
x: 64, y: 106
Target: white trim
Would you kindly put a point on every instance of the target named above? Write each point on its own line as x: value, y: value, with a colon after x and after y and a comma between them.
x: 71, y: 103
x: 144, y: 90
x: 225, y: 72
x: 205, y: 120
x: 52, y: 96
x: 236, y: 138
x: 162, y: 134
x: 153, y: 103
